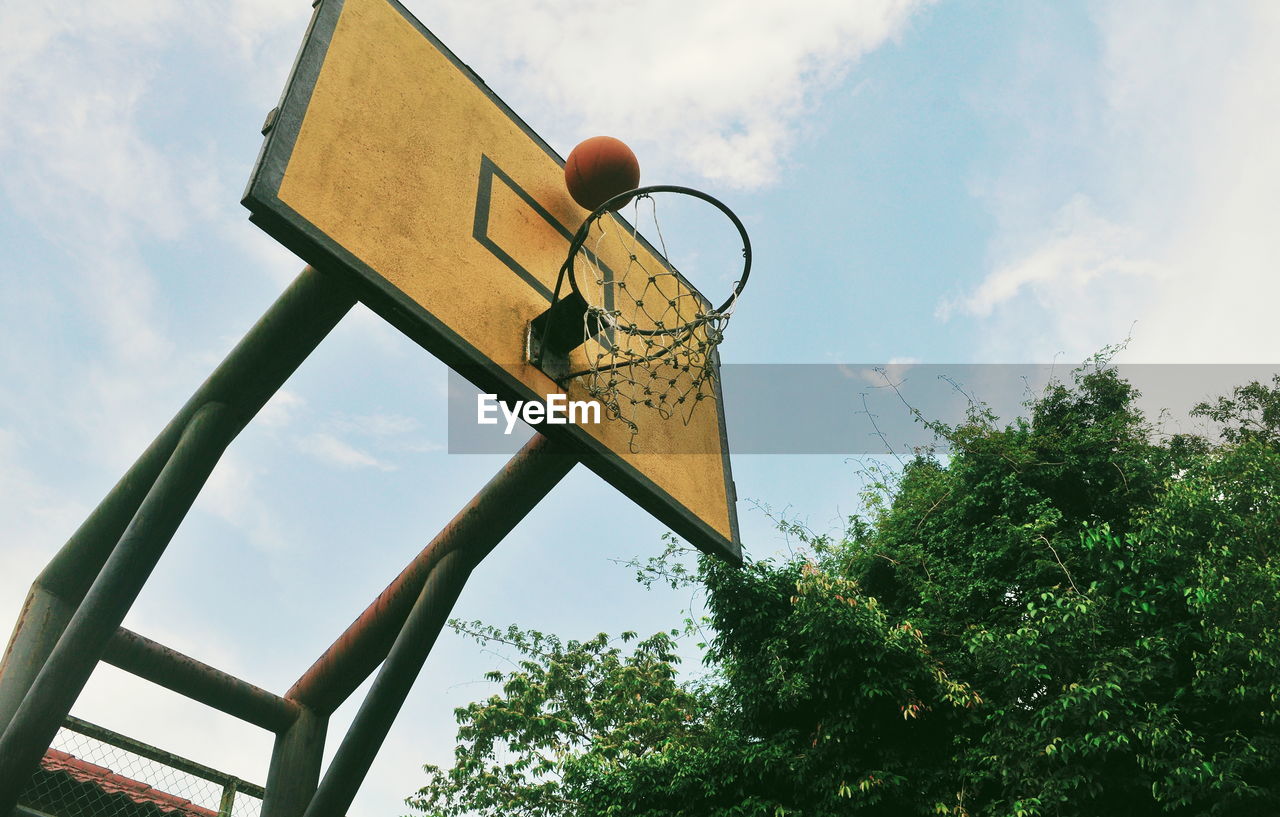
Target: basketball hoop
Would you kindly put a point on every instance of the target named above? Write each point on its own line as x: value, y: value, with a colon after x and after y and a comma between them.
x: 650, y: 336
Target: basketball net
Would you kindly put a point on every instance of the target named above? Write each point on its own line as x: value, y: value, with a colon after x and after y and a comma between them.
x: 650, y: 338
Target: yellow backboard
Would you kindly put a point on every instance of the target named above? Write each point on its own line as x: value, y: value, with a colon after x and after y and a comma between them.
x: 390, y: 160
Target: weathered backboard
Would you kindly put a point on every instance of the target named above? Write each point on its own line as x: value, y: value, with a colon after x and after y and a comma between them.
x: 390, y: 160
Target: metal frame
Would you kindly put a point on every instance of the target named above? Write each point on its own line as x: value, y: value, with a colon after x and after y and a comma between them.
x: 72, y: 615
x: 612, y: 204
x: 71, y: 618
x: 566, y: 324
x: 231, y: 785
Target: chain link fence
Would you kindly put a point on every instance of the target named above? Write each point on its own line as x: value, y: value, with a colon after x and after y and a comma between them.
x: 90, y: 771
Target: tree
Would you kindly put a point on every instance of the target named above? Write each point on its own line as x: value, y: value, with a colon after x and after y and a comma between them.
x: 1068, y: 616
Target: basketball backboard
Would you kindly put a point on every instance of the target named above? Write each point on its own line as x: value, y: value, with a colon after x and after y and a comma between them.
x: 390, y: 161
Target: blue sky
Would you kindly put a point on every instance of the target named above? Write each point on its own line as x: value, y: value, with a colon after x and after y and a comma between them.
x: 946, y: 182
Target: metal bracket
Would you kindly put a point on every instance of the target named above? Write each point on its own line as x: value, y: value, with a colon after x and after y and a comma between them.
x: 555, y: 333
x: 554, y: 366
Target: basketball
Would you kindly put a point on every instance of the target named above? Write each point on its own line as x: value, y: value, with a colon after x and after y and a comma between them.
x: 599, y: 169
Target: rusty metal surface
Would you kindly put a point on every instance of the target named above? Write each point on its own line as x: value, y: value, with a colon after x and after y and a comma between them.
x: 391, y: 686
x: 49, y: 660
x: 67, y: 668
x: 199, y: 681
x: 295, y: 766
x: 44, y: 617
x: 448, y: 562
x: 487, y: 518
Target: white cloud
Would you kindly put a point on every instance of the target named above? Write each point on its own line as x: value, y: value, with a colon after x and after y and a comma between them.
x: 92, y: 170
x: 95, y: 188
x: 76, y: 154
x: 715, y: 88
x: 78, y: 82
x: 255, y: 24
x: 234, y: 495
x: 329, y: 449
x: 280, y: 409
x: 1081, y: 250
x: 389, y: 434
x: 1167, y: 180
x: 378, y: 425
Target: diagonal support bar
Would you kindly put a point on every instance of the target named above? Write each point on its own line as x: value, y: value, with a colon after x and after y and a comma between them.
x: 467, y: 539
x: 492, y: 513
x: 254, y: 370
x: 80, y: 598
x: 245, y: 380
x: 390, y: 687
x: 78, y: 651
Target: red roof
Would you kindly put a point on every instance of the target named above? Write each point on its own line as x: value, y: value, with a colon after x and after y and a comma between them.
x: 112, y: 783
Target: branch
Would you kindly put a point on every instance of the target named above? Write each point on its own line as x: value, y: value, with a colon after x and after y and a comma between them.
x: 1059, y: 561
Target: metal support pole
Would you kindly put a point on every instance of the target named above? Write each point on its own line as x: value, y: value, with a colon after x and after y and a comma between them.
x: 245, y: 380
x: 254, y: 370
x: 295, y: 766
x: 490, y: 515
x: 44, y: 617
x: 364, y: 737
x: 198, y: 681
x: 228, y: 802
x: 468, y: 538
x: 78, y: 651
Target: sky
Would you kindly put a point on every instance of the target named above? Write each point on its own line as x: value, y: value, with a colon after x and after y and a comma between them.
x: 924, y: 182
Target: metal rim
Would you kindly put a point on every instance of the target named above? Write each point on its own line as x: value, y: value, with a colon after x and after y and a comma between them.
x: 617, y: 201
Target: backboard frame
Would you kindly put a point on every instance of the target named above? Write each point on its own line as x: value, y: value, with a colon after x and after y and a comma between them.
x: 296, y: 232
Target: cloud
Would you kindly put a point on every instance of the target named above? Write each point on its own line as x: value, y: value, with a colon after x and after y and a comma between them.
x: 329, y: 449
x: 1081, y: 250
x: 78, y: 155
x: 234, y: 494
x: 377, y: 425
x: 103, y: 177
x: 1146, y: 194
x: 91, y: 171
x: 716, y: 89
x: 393, y: 435
x: 280, y: 409
x: 100, y: 187
x: 79, y: 163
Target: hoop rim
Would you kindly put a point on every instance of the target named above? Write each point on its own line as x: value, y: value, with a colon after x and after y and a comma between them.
x: 617, y: 201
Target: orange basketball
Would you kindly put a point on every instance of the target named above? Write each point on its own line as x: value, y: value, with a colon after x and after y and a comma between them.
x: 599, y: 169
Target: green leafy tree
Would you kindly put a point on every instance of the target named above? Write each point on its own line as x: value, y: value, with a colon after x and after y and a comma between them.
x: 1067, y: 616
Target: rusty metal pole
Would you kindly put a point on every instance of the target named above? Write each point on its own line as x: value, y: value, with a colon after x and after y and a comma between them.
x: 52, y: 650
x: 198, y: 681
x: 44, y: 616
x: 254, y: 370
x: 365, y: 643
x: 228, y: 802
x: 464, y: 542
x: 295, y: 765
x: 78, y: 651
